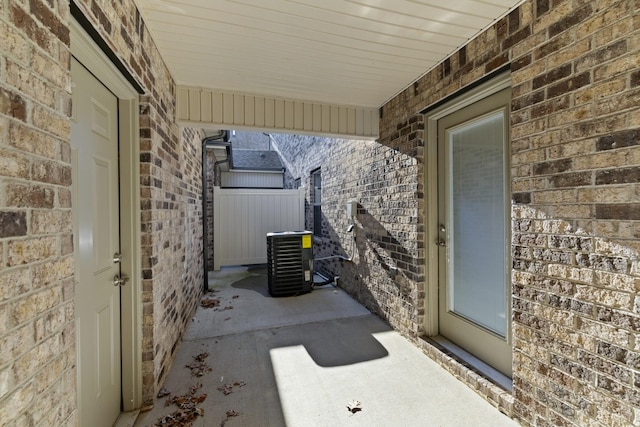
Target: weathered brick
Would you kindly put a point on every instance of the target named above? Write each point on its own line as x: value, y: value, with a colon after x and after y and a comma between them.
x: 36, y: 304
x: 19, y: 195
x: 569, y: 85
x: 27, y: 251
x: 607, y: 194
x: 13, y: 224
x: 571, y: 242
x: 49, y: 19
x: 32, y: 141
x: 618, y: 211
x: 600, y: 262
x: 30, y: 84
x: 528, y: 100
x: 618, y: 176
x: 49, y: 222
x: 602, y: 55
x: 549, y: 107
x: 554, y: 256
x: 552, y: 76
x: 13, y: 42
x: 627, y: 138
x: 571, y: 20
x: 55, y: 123
x: 542, y: 7
x: 15, y: 282
x: 515, y: 38
x: 618, y: 318
x: 14, y: 164
x: 521, y: 198
x: 13, y: 105
x: 552, y: 197
x: 571, y: 180
x: 50, y: 272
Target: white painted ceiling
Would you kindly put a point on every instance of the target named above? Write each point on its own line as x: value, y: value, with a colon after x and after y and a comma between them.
x: 341, y: 52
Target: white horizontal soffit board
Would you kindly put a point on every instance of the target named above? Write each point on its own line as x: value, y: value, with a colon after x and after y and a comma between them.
x: 224, y: 110
x: 325, y: 52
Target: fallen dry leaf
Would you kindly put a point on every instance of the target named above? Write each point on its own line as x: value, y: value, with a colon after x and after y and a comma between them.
x: 200, y: 357
x: 199, y: 367
x: 187, y: 410
x: 227, y: 389
x: 209, y: 303
x: 354, y: 406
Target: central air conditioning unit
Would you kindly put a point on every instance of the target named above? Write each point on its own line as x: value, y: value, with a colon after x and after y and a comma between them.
x: 290, y: 262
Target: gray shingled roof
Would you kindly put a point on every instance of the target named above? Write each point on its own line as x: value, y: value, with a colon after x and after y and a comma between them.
x: 255, y: 160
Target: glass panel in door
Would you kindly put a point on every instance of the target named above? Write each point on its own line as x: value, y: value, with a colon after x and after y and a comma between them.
x: 476, y: 219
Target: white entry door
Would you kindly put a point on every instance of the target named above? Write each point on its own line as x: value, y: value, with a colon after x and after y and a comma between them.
x: 474, y: 297
x: 94, y: 141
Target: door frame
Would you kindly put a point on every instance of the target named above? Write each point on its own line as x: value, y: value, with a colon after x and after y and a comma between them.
x: 456, y: 102
x: 91, y: 56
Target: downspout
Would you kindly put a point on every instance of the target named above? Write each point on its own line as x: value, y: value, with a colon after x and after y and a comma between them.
x: 222, y: 140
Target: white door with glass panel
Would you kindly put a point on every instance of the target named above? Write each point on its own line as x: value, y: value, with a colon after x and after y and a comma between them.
x: 473, y: 232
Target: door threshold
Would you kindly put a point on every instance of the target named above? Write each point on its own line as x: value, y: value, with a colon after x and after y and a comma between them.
x: 126, y: 419
x: 471, y: 362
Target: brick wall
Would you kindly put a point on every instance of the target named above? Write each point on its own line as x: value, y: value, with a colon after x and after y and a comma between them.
x: 37, y: 361
x: 575, y: 143
x: 170, y: 180
x: 37, y: 353
x: 385, y: 183
x: 176, y: 264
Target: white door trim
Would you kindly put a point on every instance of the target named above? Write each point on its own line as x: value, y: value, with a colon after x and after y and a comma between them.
x: 92, y: 57
x: 482, y: 91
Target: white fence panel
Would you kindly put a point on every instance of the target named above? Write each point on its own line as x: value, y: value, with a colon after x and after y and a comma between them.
x: 243, y: 217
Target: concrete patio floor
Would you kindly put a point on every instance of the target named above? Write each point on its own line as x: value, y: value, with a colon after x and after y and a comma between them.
x: 299, y: 361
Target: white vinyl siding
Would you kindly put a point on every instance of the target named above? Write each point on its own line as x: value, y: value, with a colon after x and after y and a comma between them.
x: 196, y: 106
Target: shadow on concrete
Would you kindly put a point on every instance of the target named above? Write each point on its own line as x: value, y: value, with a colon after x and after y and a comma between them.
x: 332, y: 338
x: 298, y: 361
x: 255, y: 283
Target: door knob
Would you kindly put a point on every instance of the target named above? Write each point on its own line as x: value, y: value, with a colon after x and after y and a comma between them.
x: 441, y: 242
x: 119, y: 280
x: 117, y: 258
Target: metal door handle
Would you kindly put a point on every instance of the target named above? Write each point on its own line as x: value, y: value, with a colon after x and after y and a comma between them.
x: 120, y: 280
x: 117, y: 258
x: 441, y: 242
